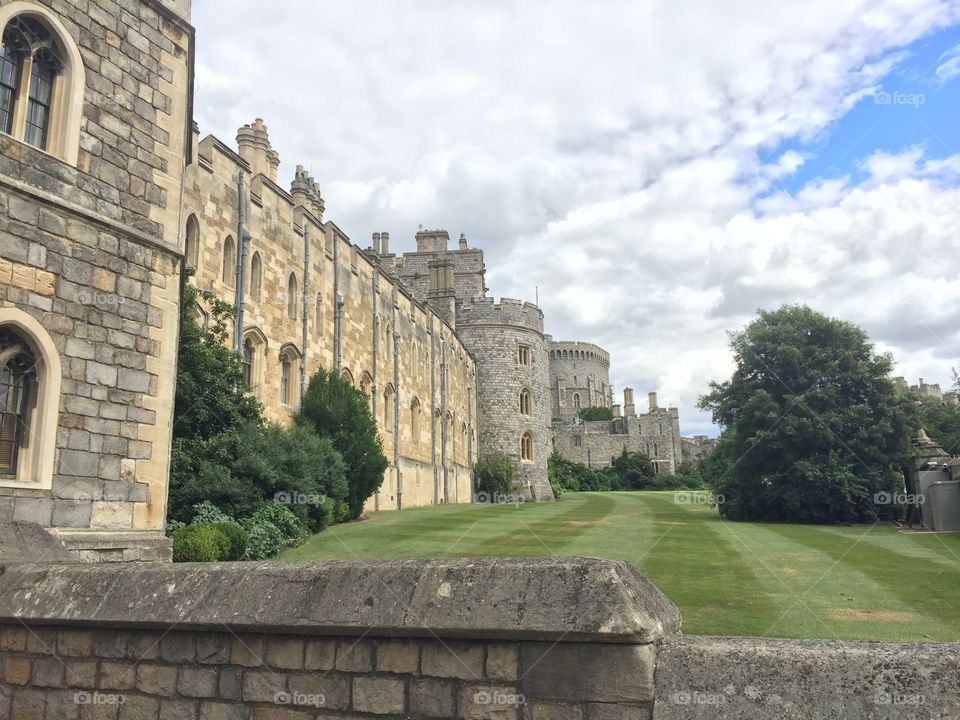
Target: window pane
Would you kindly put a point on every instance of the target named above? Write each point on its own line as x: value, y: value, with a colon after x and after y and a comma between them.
x: 38, y: 107
x: 9, y: 82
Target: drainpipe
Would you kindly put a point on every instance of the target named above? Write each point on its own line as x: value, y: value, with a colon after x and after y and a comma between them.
x: 396, y: 414
x: 306, y: 315
x: 433, y: 411
x: 337, y: 308
x: 443, y: 420
x: 375, y: 323
x: 243, y: 239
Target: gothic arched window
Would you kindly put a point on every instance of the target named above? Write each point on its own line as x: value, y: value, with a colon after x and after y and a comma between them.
x: 525, y: 403
x: 228, y: 274
x: 256, y: 276
x: 526, y: 447
x: 192, y: 244
x: 17, y: 391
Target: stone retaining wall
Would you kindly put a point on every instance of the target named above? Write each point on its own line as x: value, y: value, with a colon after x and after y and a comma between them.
x: 484, y: 639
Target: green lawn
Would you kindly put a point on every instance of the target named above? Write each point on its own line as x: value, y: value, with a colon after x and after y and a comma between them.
x: 859, y: 583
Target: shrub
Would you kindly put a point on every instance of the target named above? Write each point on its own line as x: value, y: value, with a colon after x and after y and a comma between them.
x: 237, y: 538
x: 596, y: 413
x: 265, y: 540
x: 633, y: 471
x: 280, y: 516
x: 200, y: 543
x: 494, y: 475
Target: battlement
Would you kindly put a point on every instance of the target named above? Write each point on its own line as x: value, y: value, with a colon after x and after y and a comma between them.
x: 509, y: 311
x: 575, y: 350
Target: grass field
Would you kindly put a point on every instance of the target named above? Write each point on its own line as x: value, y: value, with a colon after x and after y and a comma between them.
x: 862, y: 583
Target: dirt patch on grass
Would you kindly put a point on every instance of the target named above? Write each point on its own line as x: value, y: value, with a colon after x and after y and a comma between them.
x: 668, y: 522
x: 586, y: 523
x: 854, y: 614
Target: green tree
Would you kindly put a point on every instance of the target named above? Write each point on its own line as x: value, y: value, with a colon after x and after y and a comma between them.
x: 633, y: 470
x: 941, y: 421
x: 813, y: 425
x: 334, y: 409
x: 494, y: 476
x: 596, y: 413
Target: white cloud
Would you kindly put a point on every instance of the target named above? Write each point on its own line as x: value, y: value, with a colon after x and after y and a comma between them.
x: 609, y: 155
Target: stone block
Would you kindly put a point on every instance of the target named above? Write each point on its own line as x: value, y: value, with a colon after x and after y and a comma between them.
x: 320, y: 654
x: 398, y: 656
x: 230, y: 684
x: 143, y: 646
x: 503, y: 661
x: 157, y: 680
x: 28, y: 704
x: 552, y: 711
x: 210, y: 710
x: 139, y: 707
x: 588, y: 672
x: 82, y: 674
x: 112, y: 515
x: 285, y: 653
x: 71, y: 513
x: 431, y: 698
x: 453, y: 660
x: 213, y: 649
x: 355, y: 656
x: 178, y: 648
x: 78, y: 462
x: 263, y: 685
x: 178, y: 709
x: 33, y: 510
x: 378, y: 695
x: 618, y: 711
x: 329, y: 692
x: 248, y: 651
x: 16, y: 670
x: 197, y: 682
x: 117, y: 675
x: 75, y: 643
x: 13, y: 638
x: 42, y: 641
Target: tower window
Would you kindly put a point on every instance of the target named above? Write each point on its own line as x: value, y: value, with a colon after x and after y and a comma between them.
x: 17, y: 380
x: 523, y: 354
x: 248, y: 363
x: 285, y: 366
x: 526, y: 447
x: 525, y: 403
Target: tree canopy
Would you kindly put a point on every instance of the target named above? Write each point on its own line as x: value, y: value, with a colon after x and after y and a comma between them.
x: 814, y: 426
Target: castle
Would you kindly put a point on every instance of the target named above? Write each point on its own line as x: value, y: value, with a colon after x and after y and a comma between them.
x: 110, y: 200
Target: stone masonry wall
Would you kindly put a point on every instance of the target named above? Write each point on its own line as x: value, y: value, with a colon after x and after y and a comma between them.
x: 578, y: 369
x: 90, y: 252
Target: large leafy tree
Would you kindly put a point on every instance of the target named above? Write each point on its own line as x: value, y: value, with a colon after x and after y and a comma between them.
x: 814, y: 426
x: 941, y: 421
x: 334, y: 409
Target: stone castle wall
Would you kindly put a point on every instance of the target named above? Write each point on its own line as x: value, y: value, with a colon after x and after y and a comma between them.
x: 420, y: 378
x: 579, y: 377
x: 494, y: 333
x: 89, y: 275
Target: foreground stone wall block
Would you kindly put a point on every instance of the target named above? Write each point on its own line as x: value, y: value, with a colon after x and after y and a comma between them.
x: 579, y: 672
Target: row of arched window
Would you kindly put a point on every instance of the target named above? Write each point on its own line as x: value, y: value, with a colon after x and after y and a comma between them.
x: 577, y: 355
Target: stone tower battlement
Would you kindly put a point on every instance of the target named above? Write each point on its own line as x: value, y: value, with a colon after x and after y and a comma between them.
x: 574, y: 349
x: 509, y: 311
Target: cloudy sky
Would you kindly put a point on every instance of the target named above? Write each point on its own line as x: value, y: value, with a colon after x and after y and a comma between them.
x: 657, y: 170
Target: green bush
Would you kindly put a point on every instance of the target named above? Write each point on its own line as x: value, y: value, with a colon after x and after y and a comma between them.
x: 494, y: 476
x: 596, y: 413
x: 264, y: 539
x: 237, y: 538
x: 284, y: 520
x: 200, y: 543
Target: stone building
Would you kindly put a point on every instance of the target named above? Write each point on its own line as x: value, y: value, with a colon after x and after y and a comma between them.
x: 310, y: 298
x: 94, y: 128
x: 579, y: 377
x: 596, y: 443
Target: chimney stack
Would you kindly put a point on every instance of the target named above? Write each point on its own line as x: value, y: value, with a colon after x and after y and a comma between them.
x: 376, y: 243
x: 385, y: 242
x: 615, y: 409
x: 652, y: 399
x: 463, y: 241
x: 629, y: 410
x: 254, y: 145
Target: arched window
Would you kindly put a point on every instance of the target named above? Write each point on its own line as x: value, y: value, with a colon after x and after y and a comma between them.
x: 256, y: 276
x: 388, y: 408
x: 248, y: 363
x: 18, y: 380
x: 576, y: 401
x: 525, y: 403
x: 292, y: 303
x: 41, y: 81
x: 192, y: 244
x: 30, y: 377
x: 347, y: 376
x: 254, y: 355
x: 229, y: 272
x: 366, y: 387
x: 286, y: 367
x: 526, y: 447
x: 415, y: 420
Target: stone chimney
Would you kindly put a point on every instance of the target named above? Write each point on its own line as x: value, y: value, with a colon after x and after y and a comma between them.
x: 463, y: 241
x: 629, y: 410
x: 306, y: 193
x: 385, y: 241
x: 254, y: 145
x: 376, y: 243
x: 652, y: 400
x: 615, y: 409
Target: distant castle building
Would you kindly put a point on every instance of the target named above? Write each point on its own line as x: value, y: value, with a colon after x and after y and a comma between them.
x: 929, y: 390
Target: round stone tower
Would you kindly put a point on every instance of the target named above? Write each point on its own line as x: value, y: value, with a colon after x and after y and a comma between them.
x: 579, y: 377
x: 507, y: 343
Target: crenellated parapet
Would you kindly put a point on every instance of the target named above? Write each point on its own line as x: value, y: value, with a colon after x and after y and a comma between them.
x: 509, y: 311
x: 306, y: 192
x: 576, y: 350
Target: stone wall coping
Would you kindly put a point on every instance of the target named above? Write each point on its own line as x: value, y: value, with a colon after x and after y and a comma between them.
x: 546, y: 599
